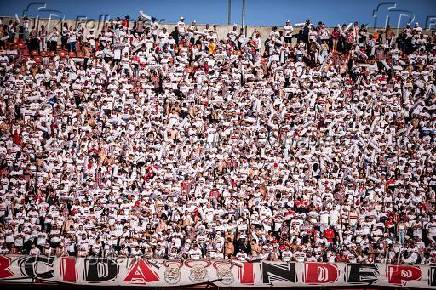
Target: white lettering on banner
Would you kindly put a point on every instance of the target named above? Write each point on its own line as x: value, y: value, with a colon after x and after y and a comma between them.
x: 222, y: 273
x: 406, y: 273
x: 102, y: 269
x: 322, y: 274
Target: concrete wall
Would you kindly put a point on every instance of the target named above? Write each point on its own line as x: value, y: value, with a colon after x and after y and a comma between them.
x: 221, y: 30
x: 97, y: 25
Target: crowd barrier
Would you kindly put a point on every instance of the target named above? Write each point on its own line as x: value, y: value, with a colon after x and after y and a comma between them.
x: 221, y: 273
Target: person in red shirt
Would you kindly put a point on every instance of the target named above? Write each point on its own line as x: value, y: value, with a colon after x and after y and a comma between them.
x: 330, y: 235
x: 335, y: 37
x: 390, y: 182
x: 185, y: 186
x: 214, y: 193
x: 16, y: 138
x: 125, y: 22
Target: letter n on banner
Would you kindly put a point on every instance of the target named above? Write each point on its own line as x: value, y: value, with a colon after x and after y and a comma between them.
x: 5, y: 262
x: 278, y: 272
x: 141, y: 272
x: 401, y: 274
x: 319, y: 273
x: 68, y: 269
x: 246, y: 274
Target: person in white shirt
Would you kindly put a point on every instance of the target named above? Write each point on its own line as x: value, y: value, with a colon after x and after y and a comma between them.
x: 181, y: 25
x: 288, y: 30
x: 34, y: 251
x: 195, y: 253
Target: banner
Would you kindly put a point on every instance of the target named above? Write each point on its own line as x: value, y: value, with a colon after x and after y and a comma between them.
x: 222, y: 273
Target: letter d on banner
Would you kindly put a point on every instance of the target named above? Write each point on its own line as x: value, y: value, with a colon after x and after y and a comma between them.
x: 319, y: 273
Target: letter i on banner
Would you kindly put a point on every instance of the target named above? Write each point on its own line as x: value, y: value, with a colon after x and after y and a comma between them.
x: 68, y: 269
x: 246, y: 274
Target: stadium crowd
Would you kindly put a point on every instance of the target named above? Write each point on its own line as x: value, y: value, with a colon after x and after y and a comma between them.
x: 316, y: 145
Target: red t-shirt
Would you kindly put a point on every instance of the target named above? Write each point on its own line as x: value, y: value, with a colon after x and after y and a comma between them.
x: 214, y: 193
x: 329, y: 234
x: 16, y: 138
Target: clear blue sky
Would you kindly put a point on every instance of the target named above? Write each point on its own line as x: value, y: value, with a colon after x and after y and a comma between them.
x: 258, y: 12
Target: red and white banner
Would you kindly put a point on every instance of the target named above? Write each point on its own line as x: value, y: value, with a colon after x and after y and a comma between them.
x: 222, y: 273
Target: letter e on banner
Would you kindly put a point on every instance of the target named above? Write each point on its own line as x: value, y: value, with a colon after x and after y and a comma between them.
x: 141, y: 272
x: 319, y: 273
x: 5, y: 262
x: 362, y: 273
x: 401, y: 274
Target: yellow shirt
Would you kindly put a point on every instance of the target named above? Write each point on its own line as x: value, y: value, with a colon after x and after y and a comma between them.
x: 212, y: 47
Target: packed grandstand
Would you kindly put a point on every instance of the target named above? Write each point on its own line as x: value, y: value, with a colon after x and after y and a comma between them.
x: 308, y: 144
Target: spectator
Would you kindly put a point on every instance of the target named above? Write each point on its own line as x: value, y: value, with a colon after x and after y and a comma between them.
x: 190, y: 143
